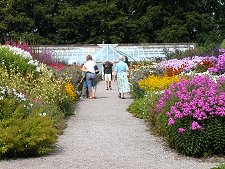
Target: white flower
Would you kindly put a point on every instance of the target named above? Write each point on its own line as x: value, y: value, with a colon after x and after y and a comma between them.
x: 38, y: 69
x: 42, y: 114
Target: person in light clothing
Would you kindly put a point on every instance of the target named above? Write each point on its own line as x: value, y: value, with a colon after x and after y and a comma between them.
x: 90, y: 76
x: 121, y: 71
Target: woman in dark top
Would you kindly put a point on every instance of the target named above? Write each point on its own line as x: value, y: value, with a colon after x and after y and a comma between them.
x: 108, y: 74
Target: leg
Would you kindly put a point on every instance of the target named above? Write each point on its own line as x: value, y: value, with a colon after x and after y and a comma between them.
x: 89, y: 83
x: 107, y: 85
x: 110, y: 87
x: 107, y: 81
x: 119, y: 95
x: 122, y: 96
x: 94, y: 80
x: 87, y: 92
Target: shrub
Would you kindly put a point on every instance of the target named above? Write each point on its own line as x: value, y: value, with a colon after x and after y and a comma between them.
x: 23, y: 131
x: 195, y: 115
x: 10, y: 60
x: 220, y: 166
x: 43, y: 91
x: 67, y: 106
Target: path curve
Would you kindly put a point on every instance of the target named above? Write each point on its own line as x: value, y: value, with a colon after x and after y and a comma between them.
x: 103, y: 135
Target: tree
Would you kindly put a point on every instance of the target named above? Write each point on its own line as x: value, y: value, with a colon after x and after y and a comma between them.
x: 113, y: 21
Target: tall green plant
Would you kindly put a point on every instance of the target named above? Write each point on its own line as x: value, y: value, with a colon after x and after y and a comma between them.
x: 12, y: 61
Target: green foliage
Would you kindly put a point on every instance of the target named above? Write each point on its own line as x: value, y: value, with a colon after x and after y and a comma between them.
x: 223, y: 44
x: 159, y: 126
x: 136, y: 91
x: 140, y: 107
x: 205, y: 142
x: 197, y: 51
x: 5, y: 109
x: 25, y: 134
x: 67, y: 106
x: 220, y: 166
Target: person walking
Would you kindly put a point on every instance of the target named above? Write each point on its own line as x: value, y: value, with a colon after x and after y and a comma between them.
x: 120, y: 75
x: 107, y: 69
x: 91, y: 77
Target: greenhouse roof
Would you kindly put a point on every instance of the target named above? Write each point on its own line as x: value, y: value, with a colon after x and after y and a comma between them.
x: 108, y: 53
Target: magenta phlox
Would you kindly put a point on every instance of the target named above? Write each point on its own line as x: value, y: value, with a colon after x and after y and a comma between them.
x: 161, y: 104
x: 195, y: 126
x: 167, y: 93
x: 178, y: 115
x: 222, y: 50
x: 221, y: 80
x: 220, y: 66
x: 168, y: 114
x: 201, y: 102
x: 171, y: 122
x: 181, y: 130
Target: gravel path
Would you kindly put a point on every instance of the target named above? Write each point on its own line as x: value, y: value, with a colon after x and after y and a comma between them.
x: 102, y: 135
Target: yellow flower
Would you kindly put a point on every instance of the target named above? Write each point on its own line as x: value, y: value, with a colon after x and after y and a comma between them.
x: 157, y: 83
x: 71, y: 91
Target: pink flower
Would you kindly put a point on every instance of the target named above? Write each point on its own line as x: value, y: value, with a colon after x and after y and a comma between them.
x: 171, y: 122
x: 195, y: 126
x: 181, y: 130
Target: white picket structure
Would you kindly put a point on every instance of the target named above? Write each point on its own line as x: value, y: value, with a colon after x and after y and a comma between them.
x: 102, y: 52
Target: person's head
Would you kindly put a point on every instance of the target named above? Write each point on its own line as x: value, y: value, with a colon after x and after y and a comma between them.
x: 89, y: 57
x: 121, y: 58
x: 107, y: 63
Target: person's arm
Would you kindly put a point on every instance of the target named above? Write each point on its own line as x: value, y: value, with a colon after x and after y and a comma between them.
x: 84, y: 68
x: 83, y: 77
x: 81, y: 80
x: 114, y: 77
x: 115, y: 74
x: 111, y: 62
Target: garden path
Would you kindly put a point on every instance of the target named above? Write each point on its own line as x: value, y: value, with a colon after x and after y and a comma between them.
x: 103, y: 135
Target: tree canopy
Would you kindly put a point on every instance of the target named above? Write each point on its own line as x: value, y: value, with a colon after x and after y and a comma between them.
x: 112, y: 21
